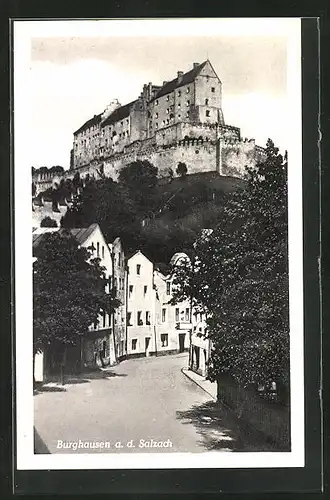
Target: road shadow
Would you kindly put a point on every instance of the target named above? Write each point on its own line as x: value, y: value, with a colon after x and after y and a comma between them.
x: 47, y: 388
x: 212, y: 426
x: 39, y: 445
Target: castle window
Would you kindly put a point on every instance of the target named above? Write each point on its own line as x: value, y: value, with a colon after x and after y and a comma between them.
x: 188, y: 90
x: 156, y: 115
x: 212, y: 89
x: 167, y: 121
x: 179, y: 116
x: 163, y: 122
x: 156, y: 102
x: 167, y: 110
x: 179, y: 93
x: 156, y: 125
x: 167, y: 97
x: 127, y: 121
x: 206, y: 102
x: 188, y: 103
x: 179, y: 105
x: 207, y: 112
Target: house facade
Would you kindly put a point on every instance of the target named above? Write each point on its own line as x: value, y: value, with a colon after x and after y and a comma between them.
x: 140, y: 306
x: 98, y: 344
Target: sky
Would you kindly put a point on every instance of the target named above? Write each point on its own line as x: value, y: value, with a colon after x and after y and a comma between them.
x: 71, y: 78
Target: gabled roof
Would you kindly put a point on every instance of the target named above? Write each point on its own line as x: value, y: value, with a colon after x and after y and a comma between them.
x: 118, y: 114
x: 80, y: 234
x: 92, y: 121
x: 186, y: 78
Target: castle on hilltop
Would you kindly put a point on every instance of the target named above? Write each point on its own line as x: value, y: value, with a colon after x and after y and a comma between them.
x: 179, y: 121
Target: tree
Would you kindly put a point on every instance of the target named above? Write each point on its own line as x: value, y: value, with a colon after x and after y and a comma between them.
x: 69, y: 293
x: 48, y: 222
x: 181, y: 169
x: 140, y: 179
x: 239, y: 276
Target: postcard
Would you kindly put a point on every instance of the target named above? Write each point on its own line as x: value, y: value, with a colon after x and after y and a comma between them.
x: 158, y: 244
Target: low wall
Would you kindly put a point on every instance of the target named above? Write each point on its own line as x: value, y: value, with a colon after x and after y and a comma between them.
x: 269, y: 418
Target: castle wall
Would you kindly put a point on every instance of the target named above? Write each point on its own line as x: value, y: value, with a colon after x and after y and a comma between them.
x: 235, y: 156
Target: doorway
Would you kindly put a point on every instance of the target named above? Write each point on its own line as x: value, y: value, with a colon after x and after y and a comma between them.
x: 147, y: 343
x: 182, y: 337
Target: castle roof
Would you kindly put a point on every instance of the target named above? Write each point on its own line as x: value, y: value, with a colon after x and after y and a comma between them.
x: 92, y: 121
x: 118, y: 114
x: 186, y: 78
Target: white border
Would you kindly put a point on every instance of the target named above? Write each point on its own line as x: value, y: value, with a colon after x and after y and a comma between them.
x: 23, y: 32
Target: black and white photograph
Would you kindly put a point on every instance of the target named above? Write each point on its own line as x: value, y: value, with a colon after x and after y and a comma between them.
x: 158, y: 240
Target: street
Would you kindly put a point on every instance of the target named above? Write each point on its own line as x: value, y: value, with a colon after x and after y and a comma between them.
x: 137, y: 401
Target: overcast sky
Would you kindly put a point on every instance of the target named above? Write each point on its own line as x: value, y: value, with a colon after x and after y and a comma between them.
x: 71, y: 79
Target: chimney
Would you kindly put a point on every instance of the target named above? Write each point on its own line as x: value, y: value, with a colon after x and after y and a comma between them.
x: 195, y: 65
x: 180, y: 75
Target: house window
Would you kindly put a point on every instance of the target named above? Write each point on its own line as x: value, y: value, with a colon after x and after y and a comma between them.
x: 134, y: 343
x: 147, y: 317
x: 167, y: 110
x: 104, y: 316
x: 167, y: 121
x: 156, y: 124
x: 207, y: 113
x: 168, y: 287
x: 102, y: 252
x: 121, y: 123
x: 156, y: 102
x: 138, y: 269
x: 145, y: 289
x: 212, y: 89
x: 179, y: 116
x: 156, y: 115
x: 206, y: 102
x: 130, y: 290
x: 163, y: 122
x: 179, y: 93
x: 177, y: 314
x: 98, y: 249
x: 139, y: 318
x: 187, y: 317
x: 163, y: 315
x: 167, y: 97
x: 129, y: 318
x: 188, y: 90
x: 119, y: 259
x: 164, y: 339
x: 188, y: 103
x: 179, y: 105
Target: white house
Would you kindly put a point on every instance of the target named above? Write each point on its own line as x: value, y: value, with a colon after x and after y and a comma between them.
x: 97, y: 345
x: 140, y: 306
x: 173, y: 322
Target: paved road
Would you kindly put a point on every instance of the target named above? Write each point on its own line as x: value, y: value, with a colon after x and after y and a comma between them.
x: 140, y: 399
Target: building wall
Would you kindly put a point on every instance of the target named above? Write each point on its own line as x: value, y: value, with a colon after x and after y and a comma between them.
x: 173, y: 323
x: 119, y: 277
x: 140, y: 299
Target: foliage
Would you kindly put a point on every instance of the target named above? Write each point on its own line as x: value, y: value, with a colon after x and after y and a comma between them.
x: 48, y: 222
x: 239, y: 276
x: 69, y: 291
x: 139, y: 178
